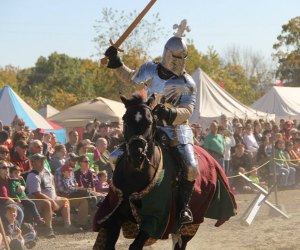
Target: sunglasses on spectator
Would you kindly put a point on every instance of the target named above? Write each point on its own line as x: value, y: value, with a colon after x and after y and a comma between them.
x: 4, y: 152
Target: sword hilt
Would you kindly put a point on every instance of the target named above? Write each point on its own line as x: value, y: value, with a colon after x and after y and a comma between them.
x: 105, y: 60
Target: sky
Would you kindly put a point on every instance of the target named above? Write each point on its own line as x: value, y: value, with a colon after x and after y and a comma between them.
x: 33, y: 28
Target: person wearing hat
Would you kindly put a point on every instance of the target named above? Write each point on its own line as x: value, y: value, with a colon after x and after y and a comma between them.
x: 64, y: 180
x: 71, y: 161
x: 40, y: 186
x: 5, y: 195
x: 19, y: 157
x: 238, y: 135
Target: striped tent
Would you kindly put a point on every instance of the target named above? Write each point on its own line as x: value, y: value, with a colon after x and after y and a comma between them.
x: 12, y: 106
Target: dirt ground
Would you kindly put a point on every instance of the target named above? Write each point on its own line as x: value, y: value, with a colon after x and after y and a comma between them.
x: 268, y: 231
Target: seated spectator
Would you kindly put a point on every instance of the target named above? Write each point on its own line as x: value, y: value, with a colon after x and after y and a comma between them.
x: 288, y: 173
x: 264, y: 151
x: 4, y: 153
x: 293, y: 158
x: 8, y: 142
x: 257, y: 132
x: 240, y: 185
x: 85, y: 148
x: 102, y: 156
x: 12, y: 228
x: 73, y: 141
x: 238, y: 135
x: 86, y: 179
x: 36, y: 147
x: 105, y: 132
x: 5, y: 198
x: 90, y: 131
x: 250, y: 142
x: 240, y: 159
x: 19, y: 157
x: 58, y: 158
x: 39, y: 134
x: 3, y: 137
x: 47, y: 140
x: 253, y: 176
x: 84, y: 176
x: 103, y: 186
x: 40, y: 186
x: 70, y: 189
x: 17, y: 187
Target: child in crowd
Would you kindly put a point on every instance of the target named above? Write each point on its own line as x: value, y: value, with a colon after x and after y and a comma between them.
x: 17, y: 187
x: 68, y: 180
x: 12, y: 228
x: 255, y: 179
x: 103, y: 186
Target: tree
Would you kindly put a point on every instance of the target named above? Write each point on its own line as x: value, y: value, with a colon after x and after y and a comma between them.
x: 113, y: 23
x: 259, y: 73
x: 57, y: 74
x: 287, y: 53
x: 8, y: 75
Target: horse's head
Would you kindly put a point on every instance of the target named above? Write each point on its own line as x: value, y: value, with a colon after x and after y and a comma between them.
x: 139, y: 127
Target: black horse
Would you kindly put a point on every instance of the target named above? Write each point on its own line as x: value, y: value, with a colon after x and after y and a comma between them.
x: 142, y: 199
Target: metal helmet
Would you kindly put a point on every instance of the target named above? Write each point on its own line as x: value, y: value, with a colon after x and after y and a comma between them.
x: 175, y: 51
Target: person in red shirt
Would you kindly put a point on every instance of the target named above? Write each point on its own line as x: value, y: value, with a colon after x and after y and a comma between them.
x: 19, y: 157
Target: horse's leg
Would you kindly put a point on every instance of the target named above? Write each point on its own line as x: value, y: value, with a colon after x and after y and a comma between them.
x: 184, y: 241
x: 113, y: 233
x: 108, y: 235
x: 139, y: 241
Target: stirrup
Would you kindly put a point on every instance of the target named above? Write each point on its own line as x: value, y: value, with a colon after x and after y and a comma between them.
x: 186, y: 216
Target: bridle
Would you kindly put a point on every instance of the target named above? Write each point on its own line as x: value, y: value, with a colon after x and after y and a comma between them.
x: 141, y: 138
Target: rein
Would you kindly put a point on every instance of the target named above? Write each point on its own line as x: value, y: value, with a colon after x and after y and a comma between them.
x: 141, y: 138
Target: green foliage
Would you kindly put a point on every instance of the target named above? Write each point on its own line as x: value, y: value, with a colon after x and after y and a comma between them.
x: 8, y: 75
x: 287, y: 53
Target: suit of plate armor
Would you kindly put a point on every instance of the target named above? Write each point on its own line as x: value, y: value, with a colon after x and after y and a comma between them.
x: 169, y: 80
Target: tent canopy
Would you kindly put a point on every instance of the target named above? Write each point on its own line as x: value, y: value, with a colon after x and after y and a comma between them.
x: 12, y: 106
x: 212, y: 101
x: 284, y: 102
x: 99, y: 108
x: 48, y: 111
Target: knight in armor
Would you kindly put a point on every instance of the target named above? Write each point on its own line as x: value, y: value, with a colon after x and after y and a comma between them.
x: 169, y: 80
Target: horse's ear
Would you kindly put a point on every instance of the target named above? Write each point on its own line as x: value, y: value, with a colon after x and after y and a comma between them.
x: 151, y: 101
x: 123, y: 99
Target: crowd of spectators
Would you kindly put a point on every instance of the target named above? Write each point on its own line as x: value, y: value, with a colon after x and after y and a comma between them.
x: 257, y: 148
x: 45, y: 184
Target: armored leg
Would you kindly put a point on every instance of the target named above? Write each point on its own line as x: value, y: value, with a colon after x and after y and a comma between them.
x: 190, y: 167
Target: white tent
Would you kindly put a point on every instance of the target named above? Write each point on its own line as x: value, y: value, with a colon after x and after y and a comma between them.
x: 99, y: 108
x: 48, y: 111
x: 212, y: 101
x: 284, y: 102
